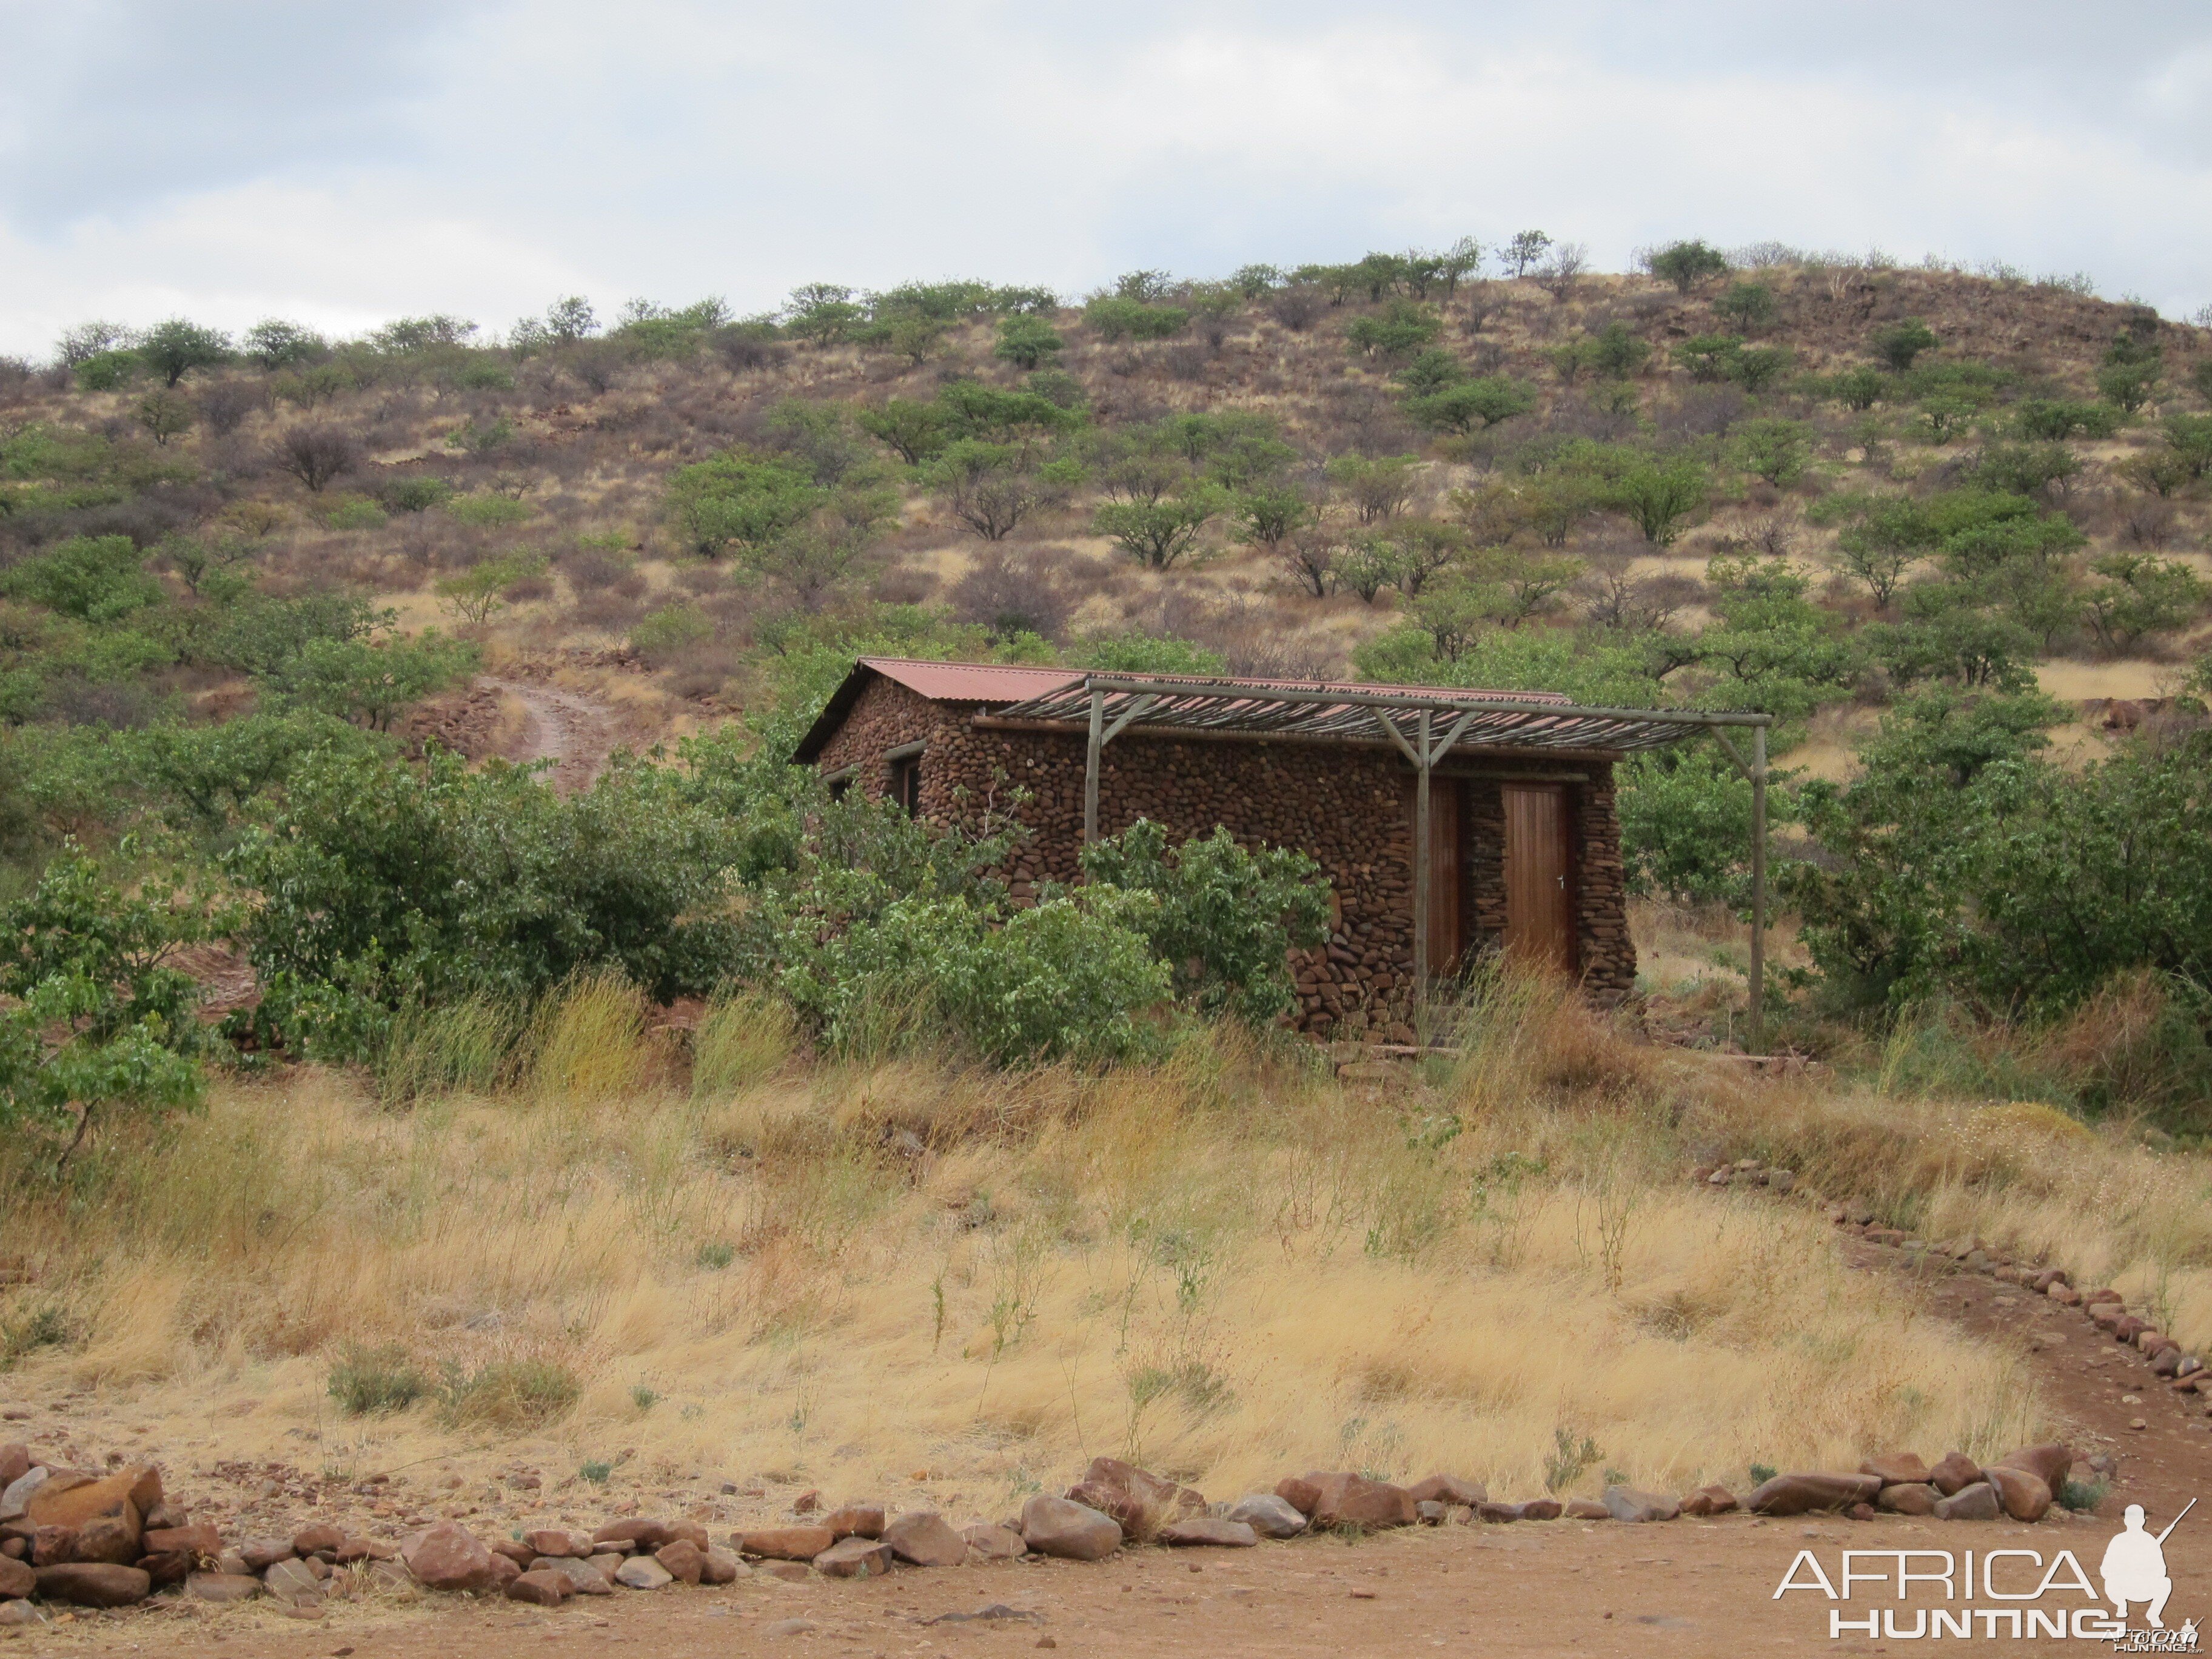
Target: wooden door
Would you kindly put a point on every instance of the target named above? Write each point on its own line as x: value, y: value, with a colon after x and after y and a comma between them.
x: 1447, y: 877
x: 1539, y: 906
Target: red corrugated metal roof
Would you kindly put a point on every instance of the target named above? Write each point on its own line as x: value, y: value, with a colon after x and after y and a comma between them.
x: 971, y: 682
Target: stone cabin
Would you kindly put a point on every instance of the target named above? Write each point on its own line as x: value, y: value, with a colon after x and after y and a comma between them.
x: 1523, y: 849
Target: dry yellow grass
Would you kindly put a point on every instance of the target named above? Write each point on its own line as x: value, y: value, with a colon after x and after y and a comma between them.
x: 1227, y: 1266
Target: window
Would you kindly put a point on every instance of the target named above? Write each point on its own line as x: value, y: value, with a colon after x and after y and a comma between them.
x: 906, y: 784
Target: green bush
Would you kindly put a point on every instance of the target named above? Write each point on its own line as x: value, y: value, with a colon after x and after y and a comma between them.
x: 487, y: 512
x: 1225, y: 918
x: 670, y: 631
x: 512, y: 1395
x: 94, y: 1023
x: 1900, y: 344
x: 1484, y: 402
x: 1399, y: 330
x: 95, y: 579
x: 374, y: 1381
x: 1115, y: 317
x: 1687, y: 264
x: 1027, y: 342
x: 354, y: 512
x: 415, y: 495
x: 108, y: 371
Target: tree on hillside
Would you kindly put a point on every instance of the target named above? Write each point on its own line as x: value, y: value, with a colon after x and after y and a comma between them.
x: 174, y: 348
x: 1524, y: 253
x: 317, y: 454
x: 1027, y: 342
x: 1901, y: 343
x: 1687, y: 264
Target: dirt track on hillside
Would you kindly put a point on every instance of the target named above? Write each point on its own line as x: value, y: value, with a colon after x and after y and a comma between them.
x: 1689, y: 1587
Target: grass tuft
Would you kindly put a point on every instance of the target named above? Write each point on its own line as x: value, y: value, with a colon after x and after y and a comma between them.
x: 366, y: 1381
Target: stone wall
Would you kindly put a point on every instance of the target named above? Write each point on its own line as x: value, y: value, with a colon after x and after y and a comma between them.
x: 1349, y: 808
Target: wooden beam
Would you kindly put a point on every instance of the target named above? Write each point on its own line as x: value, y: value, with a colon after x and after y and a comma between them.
x: 1390, y: 727
x: 1135, y: 708
x: 1090, y: 768
x: 1758, y: 889
x: 1421, y: 867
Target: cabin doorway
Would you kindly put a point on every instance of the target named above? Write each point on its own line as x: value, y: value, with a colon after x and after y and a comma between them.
x: 1450, y: 889
x: 1539, y: 901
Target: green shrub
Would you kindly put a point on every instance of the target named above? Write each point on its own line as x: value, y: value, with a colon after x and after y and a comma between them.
x: 1901, y: 343
x: 1115, y: 317
x: 95, y: 579
x: 488, y: 512
x: 108, y: 371
x: 415, y: 495
x: 46, y: 1326
x: 1225, y: 919
x: 354, y: 512
x: 471, y: 1045
x: 1687, y: 264
x: 512, y: 1395
x: 1399, y: 330
x: 1027, y: 342
x: 670, y: 631
x: 1484, y: 402
x: 366, y: 1381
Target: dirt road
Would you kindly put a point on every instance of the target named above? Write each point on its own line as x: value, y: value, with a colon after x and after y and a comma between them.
x: 572, y: 732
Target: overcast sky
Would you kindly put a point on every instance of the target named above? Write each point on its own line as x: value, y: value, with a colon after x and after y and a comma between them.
x: 344, y: 163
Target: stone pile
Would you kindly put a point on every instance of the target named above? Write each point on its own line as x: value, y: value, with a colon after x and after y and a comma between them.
x: 114, y: 1540
x: 2185, y: 1373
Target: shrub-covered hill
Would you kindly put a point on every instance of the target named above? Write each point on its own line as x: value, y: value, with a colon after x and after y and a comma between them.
x: 1952, y: 527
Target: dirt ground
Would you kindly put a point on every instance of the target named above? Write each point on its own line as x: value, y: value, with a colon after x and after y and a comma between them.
x: 1694, y: 1587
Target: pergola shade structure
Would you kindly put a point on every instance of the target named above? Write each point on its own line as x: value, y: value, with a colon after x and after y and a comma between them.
x: 1426, y: 724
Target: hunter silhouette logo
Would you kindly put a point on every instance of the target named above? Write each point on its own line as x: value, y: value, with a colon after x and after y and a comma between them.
x: 2134, y: 1567
x: 2004, y: 1594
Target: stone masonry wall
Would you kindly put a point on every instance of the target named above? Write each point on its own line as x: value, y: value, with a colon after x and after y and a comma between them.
x: 1348, y: 808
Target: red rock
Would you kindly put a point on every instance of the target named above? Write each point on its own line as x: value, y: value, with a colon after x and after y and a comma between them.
x: 317, y: 1538
x: 223, y: 1587
x: 1867, y: 1512
x: 1710, y: 1500
x: 856, y: 1521
x: 584, y: 1578
x: 1301, y: 1494
x: 1802, y: 1494
x: 1138, y: 1500
x: 2024, y: 1497
x: 1503, y: 1513
x: 855, y: 1556
x: 1627, y: 1503
x: 2166, y: 1362
x: 262, y: 1554
x: 1954, y: 1473
x: 111, y: 1538
x: 449, y: 1556
x: 200, y: 1541
x: 1075, y: 1532
x: 355, y: 1551
x: 1353, y: 1500
x: 2048, y: 1462
x: 2065, y: 1295
x: 989, y: 1543
x: 784, y: 1543
x: 1588, y: 1509
x: 720, y: 1567
x: 1908, y: 1498
x: 505, y: 1569
x: 168, y: 1570
x: 1977, y: 1501
x: 646, y: 1534
x: 514, y: 1549
x: 541, y: 1590
x: 1897, y: 1469
x: 93, y: 1584
x: 688, y: 1532
x: 806, y: 1503
x: 58, y: 1504
x: 554, y: 1541
x: 683, y: 1560
x: 1204, y: 1529
x: 1449, y: 1489
x: 17, y: 1578
x: 1541, y: 1509
x: 926, y: 1539
x: 15, y: 1463
x: 52, y: 1545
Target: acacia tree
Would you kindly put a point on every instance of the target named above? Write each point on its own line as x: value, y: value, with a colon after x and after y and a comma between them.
x: 1687, y: 264
x: 172, y: 350
x: 316, y: 454
x: 1524, y: 253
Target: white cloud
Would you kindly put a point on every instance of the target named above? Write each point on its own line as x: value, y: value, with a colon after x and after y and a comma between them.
x: 484, y: 159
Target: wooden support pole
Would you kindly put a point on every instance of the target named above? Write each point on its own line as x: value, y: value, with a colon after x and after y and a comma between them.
x: 1091, y: 766
x: 1758, y: 889
x: 1421, y: 866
